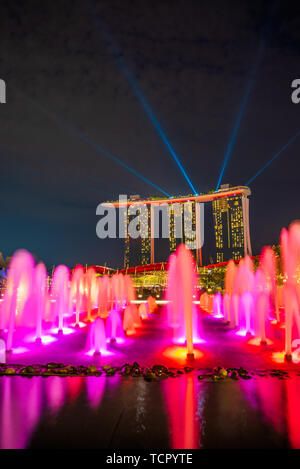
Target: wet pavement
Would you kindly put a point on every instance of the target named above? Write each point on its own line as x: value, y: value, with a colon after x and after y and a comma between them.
x: 175, y: 413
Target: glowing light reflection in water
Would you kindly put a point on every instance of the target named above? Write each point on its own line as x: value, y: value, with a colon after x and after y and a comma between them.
x: 180, y: 399
x: 18, y: 415
x: 260, y: 412
x: 24, y: 403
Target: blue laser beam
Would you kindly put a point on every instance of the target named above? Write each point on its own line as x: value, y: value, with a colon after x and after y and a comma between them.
x: 132, y: 82
x: 72, y: 130
x: 273, y: 158
x: 239, y: 116
x: 264, y: 33
x: 159, y: 129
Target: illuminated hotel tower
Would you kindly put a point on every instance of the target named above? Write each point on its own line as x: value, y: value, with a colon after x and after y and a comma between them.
x: 138, y: 251
x: 231, y: 225
x: 148, y: 250
x: 230, y: 207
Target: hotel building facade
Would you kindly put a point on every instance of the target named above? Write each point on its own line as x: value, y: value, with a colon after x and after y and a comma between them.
x: 230, y: 210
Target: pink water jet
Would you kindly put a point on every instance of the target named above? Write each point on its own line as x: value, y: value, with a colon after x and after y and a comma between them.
x: 114, y: 326
x: 118, y: 295
x: 2, y: 351
x: 247, y: 308
x: 129, y: 319
x: 230, y: 277
x: 60, y: 293
x: 218, y: 306
x: 248, y: 296
x: 91, y: 289
x: 182, y: 282
x: 27, y: 304
x: 204, y: 301
x: 290, y: 250
x: 41, y: 296
x: 261, y: 306
x: 18, y: 291
x: 268, y: 266
x: 77, y: 292
x: 143, y: 310
x: 97, y: 337
x: 234, y: 310
x: 129, y: 290
x: 152, y: 304
x: 226, y: 307
x: 104, y: 296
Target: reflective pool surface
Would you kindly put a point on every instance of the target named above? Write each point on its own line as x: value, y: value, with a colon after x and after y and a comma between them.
x: 182, y: 412
x: 102, y: 412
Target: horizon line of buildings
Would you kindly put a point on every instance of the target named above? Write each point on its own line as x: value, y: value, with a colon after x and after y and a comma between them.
x: 229, y: 207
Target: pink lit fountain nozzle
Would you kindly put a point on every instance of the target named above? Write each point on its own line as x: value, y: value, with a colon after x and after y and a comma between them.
x: 249, y: 299
x: 41, y: 309
x: 254, y: 301
x: 182, y: 316
x: 260, y: 303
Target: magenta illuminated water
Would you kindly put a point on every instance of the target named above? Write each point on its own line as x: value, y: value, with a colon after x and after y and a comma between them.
x: 60, y: 295
x: 263, y: 321
x: 252, y: 305
x: 97, y: 337
x: 30, y: 311
x: 77, y: 292
x: 290, y: 246
x: 181, y: 293
x: 17, y: 295
x: 40, y: 297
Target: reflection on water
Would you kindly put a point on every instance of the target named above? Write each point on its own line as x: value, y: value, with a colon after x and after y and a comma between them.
x: 234, y: 417
x: 176, y: 413
x: 292, y: 389
x: 20, y: 404
x: 95, y: 388
x: 184, y: 423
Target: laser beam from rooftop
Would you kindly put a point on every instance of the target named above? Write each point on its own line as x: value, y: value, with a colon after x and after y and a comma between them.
x: 72, y: 130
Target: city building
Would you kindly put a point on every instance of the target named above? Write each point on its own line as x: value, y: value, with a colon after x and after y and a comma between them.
x: 138, y: 250
x: 231, y: 224
x: 230, y: 209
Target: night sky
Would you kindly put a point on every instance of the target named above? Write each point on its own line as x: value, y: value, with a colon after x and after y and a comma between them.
x: 66, y: 66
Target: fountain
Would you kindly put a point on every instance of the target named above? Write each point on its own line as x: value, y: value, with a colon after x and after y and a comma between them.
x: 143, y: 310
x: 248, y: 296
x: 2, y: 351
x: 290, y: 249
x: 118, y: 296
x: 217, y: 306
x: 181, y: 313
x: 129, y: 290
x: 230, y: 277
x: 251, y: 302
x: 268, y: 266
x: 40, y: 295
x: 60, y: 294
x: 152, y: 304
x: 91, y: 291
x: 27, y: 304
x: 128, y: 320
x: 247, y: 308
x: 114, y: 327
x: 77, y: 291
x: 17, y: 293
x: 97, y: 337
x: 104, y: 296
x: 226, y: 307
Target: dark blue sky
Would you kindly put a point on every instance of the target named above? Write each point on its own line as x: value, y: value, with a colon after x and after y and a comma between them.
x: 192, y: 61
